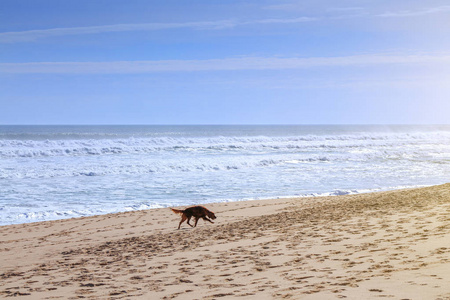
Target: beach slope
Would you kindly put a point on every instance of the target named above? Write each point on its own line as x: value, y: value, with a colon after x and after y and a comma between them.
x: 391, y: 244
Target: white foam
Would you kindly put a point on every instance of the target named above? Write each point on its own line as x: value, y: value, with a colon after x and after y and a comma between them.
x: 48, y: 148
x: 86, y: 174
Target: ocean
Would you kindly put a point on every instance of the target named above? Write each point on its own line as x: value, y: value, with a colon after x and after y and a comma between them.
x: 56, y: 172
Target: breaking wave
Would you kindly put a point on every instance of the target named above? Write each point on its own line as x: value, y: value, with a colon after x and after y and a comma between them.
x: 85, y: 147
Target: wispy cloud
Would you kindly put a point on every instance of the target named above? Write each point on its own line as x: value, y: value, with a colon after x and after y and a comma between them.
x: 32, y: 35
x: 279, y: 21
x: 226, y: 64
x: 414, y: 13
x: 345, y: 9
x: 342, y: 12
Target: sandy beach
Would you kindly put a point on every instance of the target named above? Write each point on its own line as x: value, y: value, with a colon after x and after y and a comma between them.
x: 393, y: 244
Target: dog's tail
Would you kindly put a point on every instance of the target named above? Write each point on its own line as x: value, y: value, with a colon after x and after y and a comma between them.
x: 177, y: 211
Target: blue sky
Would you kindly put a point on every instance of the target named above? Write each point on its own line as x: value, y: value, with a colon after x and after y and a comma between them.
x: 224, y: 62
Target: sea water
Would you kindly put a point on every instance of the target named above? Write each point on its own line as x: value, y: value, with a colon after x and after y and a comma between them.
x: 56, y: 172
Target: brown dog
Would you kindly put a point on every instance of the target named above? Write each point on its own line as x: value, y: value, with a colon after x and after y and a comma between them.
x: 195, y: 211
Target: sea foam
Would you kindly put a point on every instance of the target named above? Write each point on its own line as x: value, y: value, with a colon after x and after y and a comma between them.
x: 59, y: 172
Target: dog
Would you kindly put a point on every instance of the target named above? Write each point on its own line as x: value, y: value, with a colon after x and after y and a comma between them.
x: 195, y: 211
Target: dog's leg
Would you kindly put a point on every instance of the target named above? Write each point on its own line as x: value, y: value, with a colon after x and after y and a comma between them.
x: 188, y: 219
x: 196, y: 220
x: 206, y: 219
x: 183, y: 218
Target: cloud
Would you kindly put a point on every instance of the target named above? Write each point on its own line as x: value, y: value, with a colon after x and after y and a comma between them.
x: 345, y: 9
x: 409, y: 13
x: 341, y: 12
x: 32, y: 35
x: 280, y: 21
x: 225, y: 64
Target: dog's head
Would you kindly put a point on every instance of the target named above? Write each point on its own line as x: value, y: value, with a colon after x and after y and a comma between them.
x: 211, y: 215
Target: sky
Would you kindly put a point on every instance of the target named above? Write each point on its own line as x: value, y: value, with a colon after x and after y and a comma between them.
x: 224, y: 62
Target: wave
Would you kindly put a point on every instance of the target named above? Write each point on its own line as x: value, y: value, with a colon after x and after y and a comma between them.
x: 118, y: 168
x: 96, y: 147
x: 255, y: 164
x: 48, y: 215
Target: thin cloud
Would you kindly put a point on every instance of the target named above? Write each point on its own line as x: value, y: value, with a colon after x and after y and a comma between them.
x: 226, y: 64
x: 32, y: 35
x: 280, y: 21
x: 409, y: 13
x: 345, y: 9
x: 341, y: 12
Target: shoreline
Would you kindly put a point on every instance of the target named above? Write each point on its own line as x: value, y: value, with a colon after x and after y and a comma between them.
x: 334, y: 193
x: 367, y: 245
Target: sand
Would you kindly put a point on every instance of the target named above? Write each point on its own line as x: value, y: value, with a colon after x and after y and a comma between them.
x: 393, y: 244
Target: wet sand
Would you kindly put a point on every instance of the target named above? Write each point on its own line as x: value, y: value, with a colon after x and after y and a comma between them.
x: 393, y: 244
